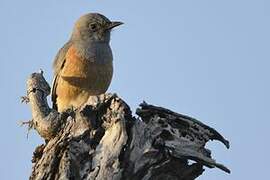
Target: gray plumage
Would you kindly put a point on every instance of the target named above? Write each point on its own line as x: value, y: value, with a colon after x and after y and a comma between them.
x: 90, y: 40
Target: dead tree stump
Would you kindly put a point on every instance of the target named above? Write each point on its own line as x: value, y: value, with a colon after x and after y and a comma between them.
x: 102, y: 140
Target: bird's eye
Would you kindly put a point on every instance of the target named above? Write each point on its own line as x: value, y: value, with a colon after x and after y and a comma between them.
x: 93, y: 26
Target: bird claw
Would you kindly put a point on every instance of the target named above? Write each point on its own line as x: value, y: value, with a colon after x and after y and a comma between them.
x: 68, y: 112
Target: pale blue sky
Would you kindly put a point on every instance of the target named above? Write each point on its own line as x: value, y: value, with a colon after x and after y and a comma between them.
x: 205, y: 58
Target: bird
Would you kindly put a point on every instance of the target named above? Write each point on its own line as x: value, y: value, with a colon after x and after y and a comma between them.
x: 83, y: 67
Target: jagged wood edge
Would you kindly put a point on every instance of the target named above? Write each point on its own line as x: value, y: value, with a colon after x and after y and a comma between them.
x: 132, y: 160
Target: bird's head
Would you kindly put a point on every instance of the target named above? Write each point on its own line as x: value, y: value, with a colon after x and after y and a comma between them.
x: 93, y: 27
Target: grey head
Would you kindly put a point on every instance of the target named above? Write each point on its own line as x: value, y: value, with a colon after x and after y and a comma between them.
x: 93, y: 27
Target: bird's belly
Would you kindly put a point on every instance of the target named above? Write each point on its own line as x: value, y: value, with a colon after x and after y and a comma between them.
x: 81, y: 79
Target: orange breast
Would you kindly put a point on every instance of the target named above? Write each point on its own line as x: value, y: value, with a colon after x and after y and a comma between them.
x: 81, y: 78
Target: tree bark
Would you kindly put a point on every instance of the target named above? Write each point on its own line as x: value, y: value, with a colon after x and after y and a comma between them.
x: 102, y: 140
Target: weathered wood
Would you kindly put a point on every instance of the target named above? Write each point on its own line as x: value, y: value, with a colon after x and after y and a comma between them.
x: 102, y: 140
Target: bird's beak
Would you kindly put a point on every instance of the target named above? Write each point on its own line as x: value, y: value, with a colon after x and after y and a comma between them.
x: 114, y: 24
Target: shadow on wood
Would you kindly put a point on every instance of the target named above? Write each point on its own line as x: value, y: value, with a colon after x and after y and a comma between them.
x: 102, y: 140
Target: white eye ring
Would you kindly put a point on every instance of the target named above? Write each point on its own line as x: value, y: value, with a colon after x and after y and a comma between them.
x: 93, y: 26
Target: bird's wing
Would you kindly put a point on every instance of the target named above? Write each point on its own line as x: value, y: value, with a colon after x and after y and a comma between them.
x: 58, y: 64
